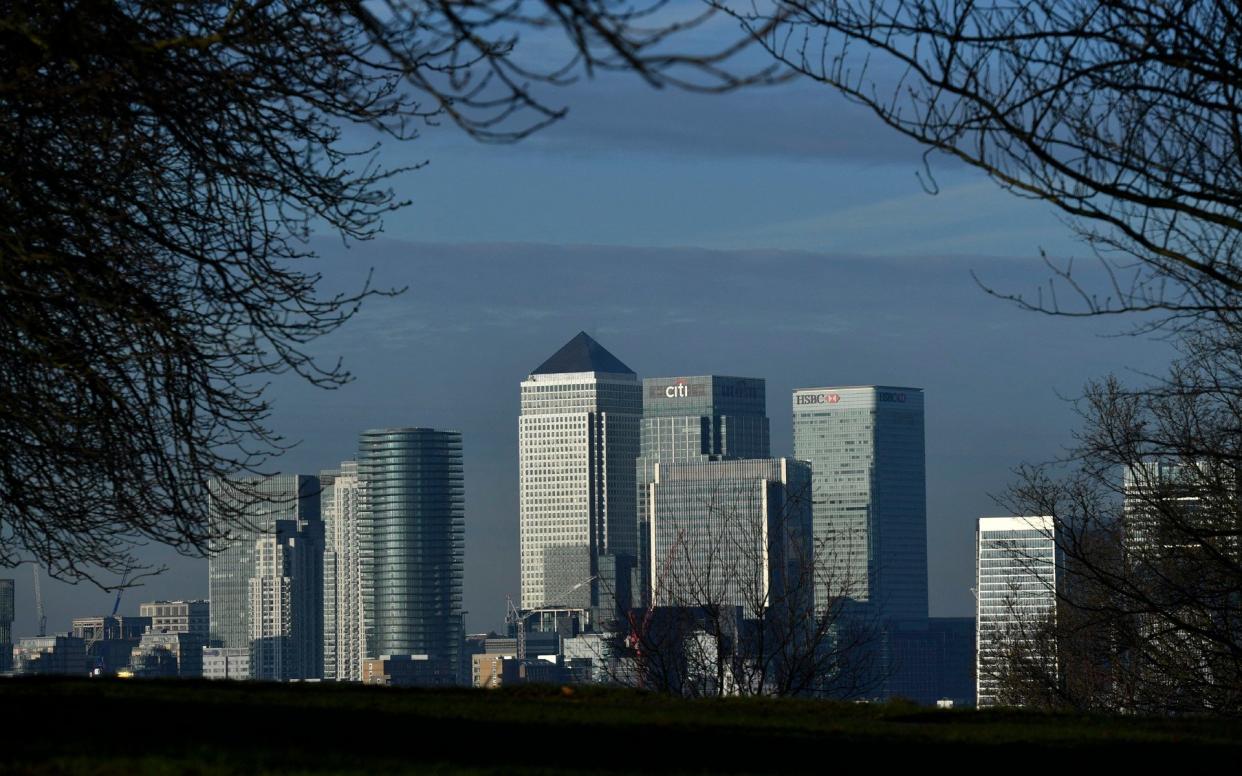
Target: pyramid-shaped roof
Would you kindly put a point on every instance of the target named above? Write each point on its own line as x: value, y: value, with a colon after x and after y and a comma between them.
x: 582, y: 354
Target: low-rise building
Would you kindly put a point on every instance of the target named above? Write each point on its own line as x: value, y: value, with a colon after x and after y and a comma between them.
x: 226, y: 663
x: 65, y: 655
x: 178, y: 616
x: 408, y: 671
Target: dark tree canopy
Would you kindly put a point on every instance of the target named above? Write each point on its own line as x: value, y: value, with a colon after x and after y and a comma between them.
x: 161, y: 168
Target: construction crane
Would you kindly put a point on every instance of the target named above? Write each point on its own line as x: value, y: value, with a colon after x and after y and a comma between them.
x: 38, y: 591
x: 120, y: 589
x: 515, y: 618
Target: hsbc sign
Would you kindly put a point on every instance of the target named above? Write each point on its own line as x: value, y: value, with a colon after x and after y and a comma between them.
x: 818, y: 398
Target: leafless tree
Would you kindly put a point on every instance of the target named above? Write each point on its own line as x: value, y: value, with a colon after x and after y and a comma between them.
x: 162, y: 166
x: 1126, y: 117
x: 1123, y: 115
x: 1150, y: 529
x: 733, y: 608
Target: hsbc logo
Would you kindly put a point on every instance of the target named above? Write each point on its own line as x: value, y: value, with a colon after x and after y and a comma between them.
x: 818, y: 398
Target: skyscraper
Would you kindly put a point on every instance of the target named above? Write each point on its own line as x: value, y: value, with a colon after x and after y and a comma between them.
x: 695, y: 419
x: 411, y: 499
x: 729, y: 533
x: 1015, y: 593
x: 865, y: 447
x: 7, y: 610
x: 281, y: 515
x: 346, y: 595
x: 577, y: 442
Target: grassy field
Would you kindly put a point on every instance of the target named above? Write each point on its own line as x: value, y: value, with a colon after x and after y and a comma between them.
x: 97, y: 726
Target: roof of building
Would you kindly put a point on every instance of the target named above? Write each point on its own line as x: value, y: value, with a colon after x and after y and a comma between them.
x: 582, y: 354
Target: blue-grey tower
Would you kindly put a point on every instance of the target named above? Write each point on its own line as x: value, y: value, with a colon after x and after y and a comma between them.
x: 693, y: 420
x: 411, y: 499
x: 869, y: 496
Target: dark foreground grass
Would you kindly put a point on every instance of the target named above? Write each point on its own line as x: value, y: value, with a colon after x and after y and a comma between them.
x: 113, y: 727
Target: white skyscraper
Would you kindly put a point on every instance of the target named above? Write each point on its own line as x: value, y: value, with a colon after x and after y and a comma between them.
x: 1015, y: 593
x: 578, y: 442
x: 869, y: 495
x: 344, y: 588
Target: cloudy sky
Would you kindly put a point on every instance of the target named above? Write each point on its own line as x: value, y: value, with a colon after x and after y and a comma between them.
x: 778, y: 233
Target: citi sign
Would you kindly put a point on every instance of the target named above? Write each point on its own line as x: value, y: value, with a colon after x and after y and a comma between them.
x: 818, y: 398
x: 679, y: 390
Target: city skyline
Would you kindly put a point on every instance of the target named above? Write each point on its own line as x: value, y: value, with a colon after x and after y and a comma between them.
x: 482, y: 593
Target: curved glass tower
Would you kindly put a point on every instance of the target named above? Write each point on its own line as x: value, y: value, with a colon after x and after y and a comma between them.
x: 411, y: 493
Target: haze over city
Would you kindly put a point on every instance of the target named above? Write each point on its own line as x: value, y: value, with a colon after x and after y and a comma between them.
x: 779, y: 233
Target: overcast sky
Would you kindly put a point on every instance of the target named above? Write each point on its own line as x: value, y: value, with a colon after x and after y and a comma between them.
x: 778, y: 233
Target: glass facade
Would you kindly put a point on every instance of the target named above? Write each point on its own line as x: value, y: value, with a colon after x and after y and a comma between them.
x: 1015, y: 591
x: 728, y: 533
x: 411, y: 497
x: 577, y: 442
x: 866, y: 450
x: 283, y: 509
x: 695, y: 419
x: 7, y: 610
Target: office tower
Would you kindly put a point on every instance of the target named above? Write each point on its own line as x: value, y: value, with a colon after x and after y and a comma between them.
x: 692, y: 419
x: 193, y: 617
x: 221, y: 663
x: 578, y: 443
x: 285, y: 595
x: 936, y: 664
x: 865, y: 447
x: 8, y: 608
x: 730, y: 533
x: 344, y: 592
x: 281, y: 515
x: 410, y: 482
x: 1016, y: 594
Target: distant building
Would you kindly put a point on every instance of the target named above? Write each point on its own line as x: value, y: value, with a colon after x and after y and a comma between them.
x: 692, y: 420
x: 1016, y: 591
x: 408, y: 671
x: 192, y: 617
x: 109, y: 641
x: 253, y: 602
x: 346, y: 586
x: 487, y: 670
x: 935, y: 663
x: 63, y: 655
x: 577, y: 445
x: 8, y: 608
x: 729, y: 533
x: 410, y: 482
x: 283, y: 599
x: 587, y: 659
x: 225, y: 663
x: 866, y: 449
x: 161, y: 654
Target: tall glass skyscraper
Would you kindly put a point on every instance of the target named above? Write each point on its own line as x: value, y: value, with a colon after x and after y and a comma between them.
x: 281, y: 516
x: 410, y: 482
x: 7, y: 610
x: 692, y: 420
x: 866, y: 450
x: 1016, y: 593
x: 577, y: 443
x: 730, y: 533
